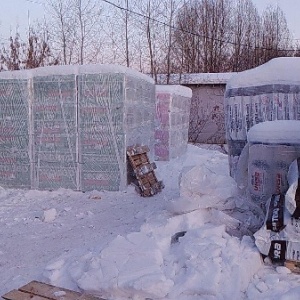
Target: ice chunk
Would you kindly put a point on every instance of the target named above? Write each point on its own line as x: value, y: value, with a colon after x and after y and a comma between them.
x: 49, y: 215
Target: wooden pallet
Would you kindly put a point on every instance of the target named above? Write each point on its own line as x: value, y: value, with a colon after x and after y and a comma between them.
x: 143, y: 171
x: 36, y: 290
x: 294, y: 266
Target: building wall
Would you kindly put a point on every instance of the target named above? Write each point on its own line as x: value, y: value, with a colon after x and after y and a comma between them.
x: 207, y: 119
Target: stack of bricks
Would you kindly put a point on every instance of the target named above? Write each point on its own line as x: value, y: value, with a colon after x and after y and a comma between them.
x: 172, y: 113
x: 69, y: 126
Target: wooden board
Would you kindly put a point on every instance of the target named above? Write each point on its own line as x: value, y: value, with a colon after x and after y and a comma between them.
x: 18, y: 295
x: 294, y: 266
x: 36, y: 290
x: 143, y: 171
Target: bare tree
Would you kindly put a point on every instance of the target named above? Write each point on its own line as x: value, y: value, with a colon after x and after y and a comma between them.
x: 12, y: 57
x: 62, y: 27
x: 275, y: 36
x: 245, y: 30
x: 126, y: 34
x: 223, y: 35
x: 38, y: 52
x: 154, y: 24
x: 74, y: 29
x: 33, y: 53
x: 150, y: 40
x: 162, y: 36
x: 202, y: 33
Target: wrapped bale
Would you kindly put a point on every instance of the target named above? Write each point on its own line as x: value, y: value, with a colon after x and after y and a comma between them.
x: 72, y: 125
x: 116, y: 110
x: 172, y: 121
x: 54, y: 119
x: 273, y: 146
x: 268, y: 92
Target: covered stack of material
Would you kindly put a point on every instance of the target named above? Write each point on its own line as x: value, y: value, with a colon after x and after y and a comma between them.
x: 268, y: 92
x: 172, y: 124
x: 279, y: 238
x: 78, y: 121
x: 53, y: 103
x: 273, y: 146
x: 15, y: 150
x: 116, y: 110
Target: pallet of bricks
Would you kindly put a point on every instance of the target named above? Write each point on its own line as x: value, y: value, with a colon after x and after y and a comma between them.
x: 36, y: 290
x: 279, y: 238
x: 142, y: 171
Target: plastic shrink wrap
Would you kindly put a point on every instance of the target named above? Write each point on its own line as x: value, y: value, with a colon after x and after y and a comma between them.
x: 15, y: 150
x: 279, y: 238
x: 293, y: 193
x: 273, y: 146
x: 268, y: 92
x: 69, y: 126
x: 172, y: 121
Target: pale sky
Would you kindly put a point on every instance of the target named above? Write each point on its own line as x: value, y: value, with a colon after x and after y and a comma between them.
x: 13, y: 12
x: 291, y: 9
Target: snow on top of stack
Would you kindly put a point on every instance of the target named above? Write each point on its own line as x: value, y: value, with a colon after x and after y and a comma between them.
x: 175, y: 89
x: 74, y: 70
x: 281, y: 70
x: 274, y: 132
x: 18, y: 74
x: 111, y: 68
x: 195, y: 78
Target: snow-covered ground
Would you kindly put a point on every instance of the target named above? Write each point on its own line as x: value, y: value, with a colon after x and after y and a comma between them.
x: 191, y: 241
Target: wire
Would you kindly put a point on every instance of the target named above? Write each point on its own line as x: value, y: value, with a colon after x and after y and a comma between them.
x: 192, y: 33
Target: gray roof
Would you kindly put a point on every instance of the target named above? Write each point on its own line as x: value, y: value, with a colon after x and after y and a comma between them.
x: 195, y: 78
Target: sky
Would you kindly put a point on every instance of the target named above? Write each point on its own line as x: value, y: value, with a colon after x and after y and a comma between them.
x: 290, y: 9
x: 15, y: 12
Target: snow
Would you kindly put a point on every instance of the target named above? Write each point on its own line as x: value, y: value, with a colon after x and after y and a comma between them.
x: 275, y: 132
x: 75, y: 70
x: 281, y: 70
x: 119, y: 245
x: 195, y: 78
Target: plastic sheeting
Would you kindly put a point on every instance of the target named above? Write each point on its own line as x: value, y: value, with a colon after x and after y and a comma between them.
x: 69, y: 126
x: 273, y: 146
x: 15, y: 163
x: 266, y: 93
x: 172, y: 124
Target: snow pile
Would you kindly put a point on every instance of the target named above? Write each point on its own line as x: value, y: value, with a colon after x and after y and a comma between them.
x: 186, y: 256
x: 203, y: 188
x: 274, y: 283
x: 203, y: 261
x: 119, y: 245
